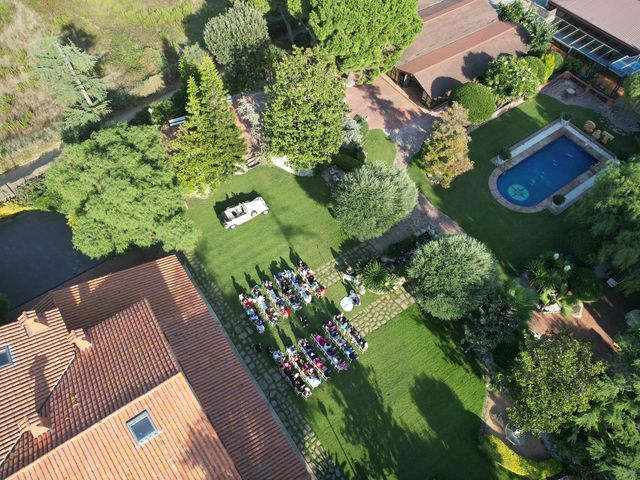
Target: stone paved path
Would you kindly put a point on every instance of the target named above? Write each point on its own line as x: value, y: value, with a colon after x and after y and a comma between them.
x: 385, y: 308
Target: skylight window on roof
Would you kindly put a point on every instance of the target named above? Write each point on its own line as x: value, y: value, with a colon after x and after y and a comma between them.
x: 6, y: 358
x: 142, y: 428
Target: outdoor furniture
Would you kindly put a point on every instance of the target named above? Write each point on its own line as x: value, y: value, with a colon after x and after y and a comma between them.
x: 589, y: 126
x: 346, y: 304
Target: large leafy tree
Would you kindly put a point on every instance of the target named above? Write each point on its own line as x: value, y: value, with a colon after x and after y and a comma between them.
x: 632, y: 87
x: 366, y: 36
x: 605, y: 440
x: 453, y: 275
x: 238, y: 39
x: 477, y: 99
x: 117, y: 191
x: 552, y: 381
x: 540, y: 32
x: 611, y: 214
x: 72, y: 74
x: 510, y: 78
x: 500, y: 315
x: 304, y: 115
x: 373, y: 198
x: 445, y: 153
x: 207, y: 148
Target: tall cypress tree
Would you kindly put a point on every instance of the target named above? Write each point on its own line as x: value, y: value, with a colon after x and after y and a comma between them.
x: 208, y: 147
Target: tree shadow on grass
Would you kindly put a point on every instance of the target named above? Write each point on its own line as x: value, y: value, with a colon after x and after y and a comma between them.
x: 232, y: 199
x: 455, y: 431
x: 448, y: 334
x: 388, y: 448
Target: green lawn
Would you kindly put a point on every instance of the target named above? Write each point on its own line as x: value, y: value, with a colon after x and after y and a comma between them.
x: 378, y: 147
x: 515, y: 238
x: 408, y: 409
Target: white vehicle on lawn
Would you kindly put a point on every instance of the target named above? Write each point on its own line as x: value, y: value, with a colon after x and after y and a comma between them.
x: 243, y: 212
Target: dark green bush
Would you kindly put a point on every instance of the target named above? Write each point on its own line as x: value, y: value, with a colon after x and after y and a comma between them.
x: 573, y: 65
x: 538, y: 68
x: 505, y: 153
x: 33, y: 193
x: 376, y: 277
x: 477, y: 99
x: 346, y: 162
x: 585, y: 285
x: 558, y: 199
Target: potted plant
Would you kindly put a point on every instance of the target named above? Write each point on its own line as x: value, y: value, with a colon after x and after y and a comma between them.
x: 558, y: 199
x: 505, y: 154
x: 565, y: 118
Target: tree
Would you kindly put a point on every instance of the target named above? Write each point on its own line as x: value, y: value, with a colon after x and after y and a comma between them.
x: 632, y: 87
x: 373, y: 198
x: 499, y: 316
x: 238, y: 39
x: 444, y: 153
x: 117, y: 191
x: 553, y: 380
x: 367, y: 37
x: 190, y: 60
x: 540, y: 32
x: 605, y: 440
x: 477, y: 99
x: 510, y: 78
x: 208, y: 148
x: 611, y: 214
x: 72, y: 74
x: 452, y: 275
x: 304, y: 115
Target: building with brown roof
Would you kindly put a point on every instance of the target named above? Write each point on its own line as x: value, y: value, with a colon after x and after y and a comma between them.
x: 458, y: 40
x: 606, y: 34
x: 149, y: 387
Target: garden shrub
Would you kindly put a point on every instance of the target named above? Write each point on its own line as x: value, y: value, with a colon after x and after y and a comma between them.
x: 538, y: 67
x: 376, y: 277
x: 33, y: 194
x: 585, y: 285
x: 514, y: 463
x: 505, y: 153
x: 573, y: 65
x: 477, y: 99
x: 346, y: 162
x: 8, y: 209
x: 553, y: 62
x: 558, y: 199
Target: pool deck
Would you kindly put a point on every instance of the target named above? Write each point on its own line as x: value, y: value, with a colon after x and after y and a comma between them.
x: 534, y: 142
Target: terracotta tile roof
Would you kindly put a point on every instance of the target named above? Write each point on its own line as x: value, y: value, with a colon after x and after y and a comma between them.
x: 457, y: 43
x: 186, y: 448
x: 39, y: 363
x: 221, y: 382
x: 620, y: 19
x: 129, y: 356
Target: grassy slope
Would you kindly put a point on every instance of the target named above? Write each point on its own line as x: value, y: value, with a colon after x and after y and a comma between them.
x: 408, y: 409
x: 515, y: 238
x: 378, y: 147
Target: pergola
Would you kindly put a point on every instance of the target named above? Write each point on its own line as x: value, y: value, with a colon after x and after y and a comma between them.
x: 577, y: 39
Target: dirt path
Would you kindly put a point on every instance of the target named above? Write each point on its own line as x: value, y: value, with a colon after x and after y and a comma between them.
x: 10, y: 180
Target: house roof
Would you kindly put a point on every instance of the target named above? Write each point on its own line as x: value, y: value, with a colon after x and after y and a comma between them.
x: 619, y: 19
x: 222, y: 384
x: 187, y: 446
x: 39, y: 361
x: 458, y: 40
x: 128, y: 357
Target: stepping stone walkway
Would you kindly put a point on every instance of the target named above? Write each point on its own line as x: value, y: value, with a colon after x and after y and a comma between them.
x: 382, y: 310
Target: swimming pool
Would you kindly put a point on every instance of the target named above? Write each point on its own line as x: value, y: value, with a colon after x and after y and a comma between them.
x: 544, y: 172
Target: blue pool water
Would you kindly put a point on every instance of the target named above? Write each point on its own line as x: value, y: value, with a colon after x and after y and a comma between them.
x: 544, y: 172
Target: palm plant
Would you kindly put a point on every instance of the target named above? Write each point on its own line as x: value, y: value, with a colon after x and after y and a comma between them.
x: 377, y: 278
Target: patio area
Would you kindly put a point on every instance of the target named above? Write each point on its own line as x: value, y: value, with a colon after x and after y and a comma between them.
x: 385, y: 105
x: 600, y: 322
